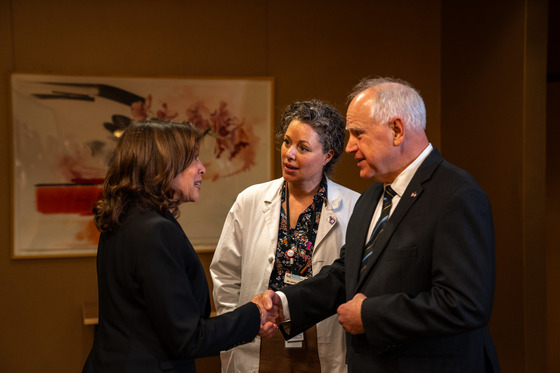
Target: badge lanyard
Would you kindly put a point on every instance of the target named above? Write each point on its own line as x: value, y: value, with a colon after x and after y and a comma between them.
x: 298, y: 340
x: 291, y: 252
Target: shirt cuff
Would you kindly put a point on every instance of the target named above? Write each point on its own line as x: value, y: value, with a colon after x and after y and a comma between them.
x: 285, y: 306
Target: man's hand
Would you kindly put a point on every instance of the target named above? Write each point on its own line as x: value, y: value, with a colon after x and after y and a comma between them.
x: 270, y: 307
x: 350, y: 315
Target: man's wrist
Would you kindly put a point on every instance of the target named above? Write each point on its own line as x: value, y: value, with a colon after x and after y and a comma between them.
x: 285, y: 306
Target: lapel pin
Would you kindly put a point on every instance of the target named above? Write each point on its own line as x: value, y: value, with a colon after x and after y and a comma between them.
x: 413, y: 194
x: 331, y: 220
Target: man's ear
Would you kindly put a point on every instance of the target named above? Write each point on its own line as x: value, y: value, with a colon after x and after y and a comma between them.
x: 397, y: 126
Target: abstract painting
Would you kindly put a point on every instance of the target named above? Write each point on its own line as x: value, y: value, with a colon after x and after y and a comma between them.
x: 64, y: 128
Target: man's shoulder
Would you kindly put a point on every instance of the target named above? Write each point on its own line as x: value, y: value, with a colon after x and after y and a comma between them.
x: 451, y: 173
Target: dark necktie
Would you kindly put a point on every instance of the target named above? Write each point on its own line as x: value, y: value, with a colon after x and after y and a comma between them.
x: 387, y: 203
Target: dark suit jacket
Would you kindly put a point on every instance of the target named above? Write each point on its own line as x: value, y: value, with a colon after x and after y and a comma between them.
x: 154, y: 303
x: 431, y: 285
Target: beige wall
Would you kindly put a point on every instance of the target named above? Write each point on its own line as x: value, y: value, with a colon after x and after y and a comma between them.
x: 458, y: 57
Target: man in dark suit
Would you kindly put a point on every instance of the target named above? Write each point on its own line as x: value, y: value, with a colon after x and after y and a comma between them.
x: 414, y: 286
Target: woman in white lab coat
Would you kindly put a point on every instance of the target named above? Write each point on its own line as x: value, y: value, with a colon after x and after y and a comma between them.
x: 282, y: 231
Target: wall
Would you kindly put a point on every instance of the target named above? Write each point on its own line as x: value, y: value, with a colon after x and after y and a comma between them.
x: 552, y: 187
x: 312, y: 49
x: 493, y: 124
x: 478, y: 66
x: 552, y: 224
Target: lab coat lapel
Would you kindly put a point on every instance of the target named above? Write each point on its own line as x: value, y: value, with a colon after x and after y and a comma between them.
x: 271, y: 210
x: 328, y: 218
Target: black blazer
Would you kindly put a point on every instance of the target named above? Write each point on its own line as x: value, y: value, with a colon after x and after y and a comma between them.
x: 154, y: 302
x: 430, y: 288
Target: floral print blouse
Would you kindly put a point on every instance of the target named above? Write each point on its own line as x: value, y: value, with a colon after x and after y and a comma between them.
x: 295, y: 248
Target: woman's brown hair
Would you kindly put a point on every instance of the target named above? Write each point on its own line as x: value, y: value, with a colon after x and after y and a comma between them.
x: 148, y: 156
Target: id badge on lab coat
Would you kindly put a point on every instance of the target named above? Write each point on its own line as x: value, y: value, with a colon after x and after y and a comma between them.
x: 292, y: 279
x: 297, y: 341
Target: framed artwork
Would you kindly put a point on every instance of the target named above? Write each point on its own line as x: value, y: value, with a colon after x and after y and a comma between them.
x: 65, y: 127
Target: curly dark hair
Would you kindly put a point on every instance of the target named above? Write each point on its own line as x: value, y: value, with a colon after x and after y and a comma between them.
x: 148, y: 156
x: 325, y: 120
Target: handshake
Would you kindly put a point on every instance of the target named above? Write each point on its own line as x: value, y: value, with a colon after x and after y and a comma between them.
x: 272, y: 315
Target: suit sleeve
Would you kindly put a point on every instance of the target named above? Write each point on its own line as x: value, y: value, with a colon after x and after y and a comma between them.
x: 316, y: 298
x: 462, y: 278
x: 172, y: 281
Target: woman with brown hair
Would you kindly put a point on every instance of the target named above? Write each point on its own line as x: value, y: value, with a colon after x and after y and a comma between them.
x: 154, y: 302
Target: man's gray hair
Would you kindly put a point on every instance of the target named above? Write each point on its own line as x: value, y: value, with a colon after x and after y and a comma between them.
x: 394, y: 98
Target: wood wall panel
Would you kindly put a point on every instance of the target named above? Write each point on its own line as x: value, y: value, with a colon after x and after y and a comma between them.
x: 467, y: 61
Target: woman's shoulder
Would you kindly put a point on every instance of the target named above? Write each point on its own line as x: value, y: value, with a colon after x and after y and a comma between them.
x: 261, y: 191
x: 154, y: 229
x: 342, y: 190
x: 143, y: 222
x: 137, y: 215
x: 271, y: 184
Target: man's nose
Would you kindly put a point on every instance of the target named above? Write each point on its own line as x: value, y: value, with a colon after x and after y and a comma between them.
x: 351, y: 146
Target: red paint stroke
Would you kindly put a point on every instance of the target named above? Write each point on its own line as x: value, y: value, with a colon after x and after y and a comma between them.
x: 67, y: 198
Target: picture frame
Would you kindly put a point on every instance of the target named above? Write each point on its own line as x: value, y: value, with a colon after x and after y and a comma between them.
x: 64, y: 129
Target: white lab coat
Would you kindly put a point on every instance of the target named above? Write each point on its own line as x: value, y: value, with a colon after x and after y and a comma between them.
x: 244, y: 259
